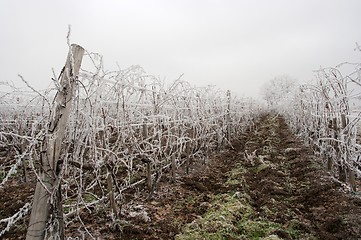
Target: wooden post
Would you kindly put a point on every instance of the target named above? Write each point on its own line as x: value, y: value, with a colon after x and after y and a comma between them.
x: 145, y: 129
x: 110, y: 188
x: 350, y: 165
x: 341, y: 164
x: 113, y: 204
x: 352, y: 178
x: 48, y: 192
x: 149, y: 163
x: 149, y: 176
x: 188, y: 153
x: 174, y: 167
x: 22, y: 147
x: 228, y: 115
x: 342, y: 175
x: 329, y: 158
x: 173, y: 149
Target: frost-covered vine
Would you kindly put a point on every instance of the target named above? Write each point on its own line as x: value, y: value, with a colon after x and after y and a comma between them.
x: 127, y: 130
x: 327, y: 115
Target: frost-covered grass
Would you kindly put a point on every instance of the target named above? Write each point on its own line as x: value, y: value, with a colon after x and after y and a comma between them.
x: 231, y: 216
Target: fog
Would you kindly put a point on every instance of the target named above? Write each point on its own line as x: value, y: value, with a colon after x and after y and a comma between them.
x: 237, y: 45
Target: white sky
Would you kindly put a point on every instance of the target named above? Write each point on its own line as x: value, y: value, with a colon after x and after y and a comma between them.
x: 235, y: 45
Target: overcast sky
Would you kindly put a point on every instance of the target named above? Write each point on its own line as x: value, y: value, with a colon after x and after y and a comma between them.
x: 234, y: 44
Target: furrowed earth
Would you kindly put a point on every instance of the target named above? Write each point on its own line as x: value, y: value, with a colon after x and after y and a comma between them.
x: 268, y: 185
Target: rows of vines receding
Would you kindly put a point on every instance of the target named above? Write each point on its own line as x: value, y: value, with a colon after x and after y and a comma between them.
x: 327, y: 115
x: 126, y: 130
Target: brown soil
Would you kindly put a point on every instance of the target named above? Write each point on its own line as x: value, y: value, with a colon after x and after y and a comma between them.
x: 298, y: 189
x: 288, y: 186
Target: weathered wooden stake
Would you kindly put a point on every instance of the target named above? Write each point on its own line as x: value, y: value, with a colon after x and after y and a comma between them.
x: 342, y: 162
x: 228, y: 115
x: 113, y: 204
x: 145, y: 129
x: 22, y: 147
x: 350, y: 168
x: 329, y: 158
x: 110, y: 188
x: 48, y: 193
x: 188, y: 155
x: 149, y: 176
x: 173, y: 167
x: 352, y: 178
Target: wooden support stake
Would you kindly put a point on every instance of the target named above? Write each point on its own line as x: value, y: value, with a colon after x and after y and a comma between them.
x: 145, y: 129
x: 113, y: 204
x: 174, y: 168
x: 188, y: 153
x: 149, y: 176
x: 22, y: 147
x: 228, y: 115
x: 110, y: 188
x: 352, y: 178
x: 48, y: 193
x: 350, y: 165
x: 329, y: 158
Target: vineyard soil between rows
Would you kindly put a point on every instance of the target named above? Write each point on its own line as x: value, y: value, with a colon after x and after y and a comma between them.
x: 268, y: 185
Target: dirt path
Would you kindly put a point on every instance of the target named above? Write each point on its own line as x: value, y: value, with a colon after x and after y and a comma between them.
x: 290, y: 187
x: 268, y: 186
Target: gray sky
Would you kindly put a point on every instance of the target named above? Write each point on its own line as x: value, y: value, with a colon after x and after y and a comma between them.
x: 235, y: 45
